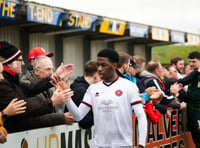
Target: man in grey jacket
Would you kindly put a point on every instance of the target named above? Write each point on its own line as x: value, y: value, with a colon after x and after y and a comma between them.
x: 36, y: 112
x: 43, y: 67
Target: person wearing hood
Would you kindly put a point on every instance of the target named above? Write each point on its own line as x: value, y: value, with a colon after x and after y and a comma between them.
x: 80, y: 85
x: 152, y: 77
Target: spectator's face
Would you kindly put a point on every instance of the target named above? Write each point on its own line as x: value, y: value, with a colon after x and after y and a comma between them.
x: 173, y: 73
x: 159, y: 71
x: 194, y: 63
x: 96, y: 77
x: 1, y: 70
x: 188, y: 69
x: 180, y: 66
x: 131, y: 71
x: 106, y: 69
x: 44, y: 69
x: 126, y: 66
x: 16, y: 65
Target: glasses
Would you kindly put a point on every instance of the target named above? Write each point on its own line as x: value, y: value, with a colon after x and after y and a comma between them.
x: 20, y: 60
x: 47, y: 69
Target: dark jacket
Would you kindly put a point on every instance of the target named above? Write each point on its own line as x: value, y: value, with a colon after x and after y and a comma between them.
x: 79, y: 86
x: 30, y: 77
x: 150, y: 80
x: 11, y: 88
x: 183, y: 96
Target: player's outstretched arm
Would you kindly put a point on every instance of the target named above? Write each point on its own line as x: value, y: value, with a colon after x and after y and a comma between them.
x: 78, y: 112
x: 142, y: 123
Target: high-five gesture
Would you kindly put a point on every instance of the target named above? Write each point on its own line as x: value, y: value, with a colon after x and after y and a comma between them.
x: 64, y: 70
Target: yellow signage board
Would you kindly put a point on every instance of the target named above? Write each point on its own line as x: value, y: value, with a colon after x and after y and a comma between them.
x: 112, y: 27
x: 193, y: 39
x: 160, y: 34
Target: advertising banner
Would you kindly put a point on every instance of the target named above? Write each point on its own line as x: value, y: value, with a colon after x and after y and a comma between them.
x: 45, y: 15
x: 8, y: 10
x: 112, y: 27
x: 167, y: 133
x: 178, y: 37
x: 139, y: 30
x: 193, y: 39
x: 160, y: 34
x: 83, y: 22
x: 63, y: 136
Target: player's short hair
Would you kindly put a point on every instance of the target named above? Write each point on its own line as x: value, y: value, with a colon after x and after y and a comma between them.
x: 111, y: 54
x: 175, y: 60
x: 90, y: 68
x: 194, y: 55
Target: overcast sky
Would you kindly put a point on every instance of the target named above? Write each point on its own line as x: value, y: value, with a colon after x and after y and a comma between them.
x: 182, y: 15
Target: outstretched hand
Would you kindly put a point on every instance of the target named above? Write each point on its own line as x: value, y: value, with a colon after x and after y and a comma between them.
x: 61, y: 85
x: 3, y: 137
x: 64, y: 70
x: 156, y: 95
x: 149, y: 91
x: 60, y: 97
x: 175, y: 88
x: 15, y: 107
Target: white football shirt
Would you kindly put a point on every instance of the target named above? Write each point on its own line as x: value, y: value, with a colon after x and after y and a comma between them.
x: 112, y: 111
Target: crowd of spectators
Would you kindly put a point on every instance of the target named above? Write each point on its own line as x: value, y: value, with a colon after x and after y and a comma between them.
x: 30, y: 99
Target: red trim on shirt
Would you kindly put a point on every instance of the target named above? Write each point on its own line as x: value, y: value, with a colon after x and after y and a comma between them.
x: 162, y: 84
x: 9, y: 71
x: 136, y: 102
x: 87, y: 103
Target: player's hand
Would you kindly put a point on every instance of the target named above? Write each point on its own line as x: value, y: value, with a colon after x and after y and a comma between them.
x: 60, y: 97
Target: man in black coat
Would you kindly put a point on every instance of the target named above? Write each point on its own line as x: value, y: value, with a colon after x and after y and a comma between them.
x: 11, y: 88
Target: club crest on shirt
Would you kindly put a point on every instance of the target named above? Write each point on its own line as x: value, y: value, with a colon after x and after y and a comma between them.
x: 96, y: 94
x: 118, y: 92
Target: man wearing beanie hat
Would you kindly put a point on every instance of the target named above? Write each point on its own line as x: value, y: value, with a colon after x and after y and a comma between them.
x: 35, y: 114
x: 112, y: 101
x: 14, y: 107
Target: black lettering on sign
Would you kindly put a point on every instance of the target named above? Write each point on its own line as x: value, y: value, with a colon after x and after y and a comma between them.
x: 167, y: 145
x: 173, y: 123
x: 63, y: 142
x: 181, y: 143
x: 174, y: 144
x: 136, y: 131
x: 70, y: 140
x: 159, y: 135
x: 151, y: 133
x: 78, y: 139
x: 88, y: 135
x: 180, y: 122
x: 166, y: 127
